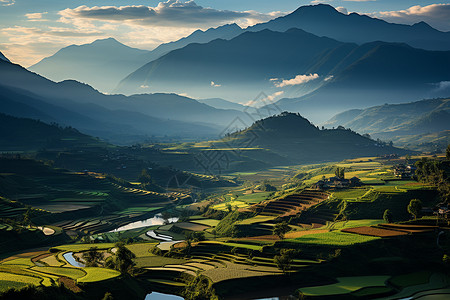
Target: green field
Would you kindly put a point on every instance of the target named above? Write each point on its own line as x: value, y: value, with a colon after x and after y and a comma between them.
x: 334, y: 239
x: 345, y: 285
x: 98, y: 274
x: 73, y: 273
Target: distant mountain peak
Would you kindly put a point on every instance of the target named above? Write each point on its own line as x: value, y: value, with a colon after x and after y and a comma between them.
x: 423, y: 25
x: 107, y: 41
x: 318, y: 9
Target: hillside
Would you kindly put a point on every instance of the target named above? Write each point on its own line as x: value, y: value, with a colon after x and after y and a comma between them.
x: 222, y: 104
x: 225, y: 32
x: 222, y: 68
x: 25, y: 94
x: 20, y: 134
x: 406, y: 124
x: 324, y: 20
x: 332, y: 76
x: 295, y: 138
x: 103, y: 63
x: 373, y: 74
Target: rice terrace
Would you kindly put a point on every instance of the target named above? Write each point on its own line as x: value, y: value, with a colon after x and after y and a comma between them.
x: 224, y: 150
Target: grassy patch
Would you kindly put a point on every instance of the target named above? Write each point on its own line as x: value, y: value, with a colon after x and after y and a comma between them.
x: 207, y: 222
x: 98, y: 274
x: 68, y: 272
x: 257, y: 219
x: 141, y: 250
x: 234, y: 203
x: 345, y: 285
x: 19, y: 261
x: 354, y: 223
x: 8, y: 284
x: 334, y: 239
x: 255, y: 197
x: 84, y: 247
x: 5, y: 278
x: 157, y: 261
x: 411, y: 279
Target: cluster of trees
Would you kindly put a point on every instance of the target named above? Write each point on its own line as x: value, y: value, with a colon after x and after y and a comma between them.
x: 280, y: 229
x: 340, y: 173
x: 122, y: 260
x: 284, y: 259
x: 437, y: 173
x: 148, y: 183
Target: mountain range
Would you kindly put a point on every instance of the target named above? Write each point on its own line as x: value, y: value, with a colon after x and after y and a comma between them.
x: 77, y: 62
x: 326, y: 73
x: 104, y: 63
x: 325, y: 20
x: 114, y: 117
x: 405, y: 124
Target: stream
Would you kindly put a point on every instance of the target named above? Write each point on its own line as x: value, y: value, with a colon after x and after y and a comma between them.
x: 71, y: 260
x: 155, y: 220
x: 159, y: 296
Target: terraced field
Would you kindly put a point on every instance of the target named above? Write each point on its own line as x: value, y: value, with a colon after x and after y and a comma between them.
x: 43, y: 268
x: 214, y: 260
x: 290, y: 205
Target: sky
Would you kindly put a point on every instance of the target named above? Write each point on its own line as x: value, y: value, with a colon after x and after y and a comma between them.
x: 31, y: 30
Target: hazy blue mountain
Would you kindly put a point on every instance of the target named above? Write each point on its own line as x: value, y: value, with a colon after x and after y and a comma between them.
x: 101, y: 64
x: 376, y: 73
x: 70, y: 103
x: 28, y: 134
x: 239, y: 68
x: 324, y: 20
x: 2, y: 57
x: 400, y: 122
x: 349, y: 76
x: 295, y: 138
x: 222, y: 104
x: 225, y: 32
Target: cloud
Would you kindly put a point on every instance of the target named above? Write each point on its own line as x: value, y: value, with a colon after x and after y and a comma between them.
x: 7, y: 2
x: 275, y: 95
x: 299, y: 79
x: 342, y: 10
x: 213, y: 84
x: 437, y: 15
x: 329, y: 77
x: 443, y: 85
x: 35, y: 16
x: 144, y: 86
x: 28, y: 45
x: 170, y: 13
x: 263, y: 101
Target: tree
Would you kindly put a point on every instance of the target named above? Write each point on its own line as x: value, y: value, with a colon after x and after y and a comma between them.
x: 108, y: 296
x: 284, y: 260
x: 414, y: 207
x: 229, y: 207
x: 92, y: 257
x: 280, y: 229
x: 407, y: 158
x: 123, y: 261
x: 27, y: 217
x: 145, y: 177
x: 387, y: 216
x: 340, y: 173
x: 199, y: 288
